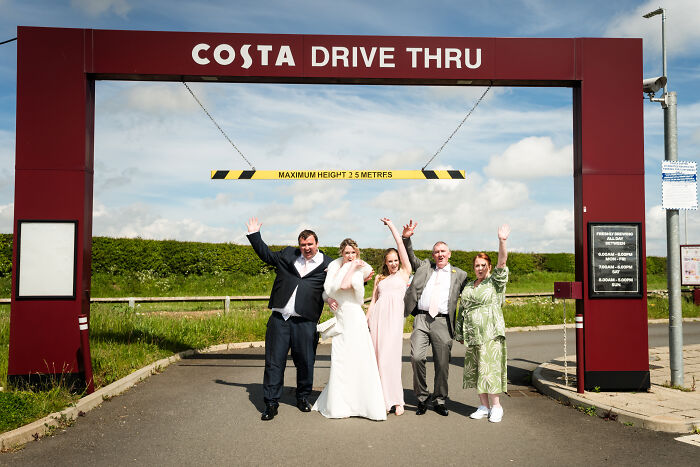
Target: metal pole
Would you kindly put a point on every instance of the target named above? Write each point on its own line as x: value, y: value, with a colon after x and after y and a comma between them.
x: 673, y: 265
x: 663, y: 44
x: 673, y: 260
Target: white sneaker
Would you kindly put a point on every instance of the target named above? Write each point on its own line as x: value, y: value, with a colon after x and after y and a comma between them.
x: 480, y: 413
x: 496, y: 414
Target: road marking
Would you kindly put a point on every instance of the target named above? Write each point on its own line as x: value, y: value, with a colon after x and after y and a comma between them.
x: 690, y: 439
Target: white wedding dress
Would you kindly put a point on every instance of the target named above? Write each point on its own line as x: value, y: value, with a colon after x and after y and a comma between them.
x: 354, y: 388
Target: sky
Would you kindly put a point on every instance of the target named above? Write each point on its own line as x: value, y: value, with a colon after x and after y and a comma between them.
x: 155, y: 147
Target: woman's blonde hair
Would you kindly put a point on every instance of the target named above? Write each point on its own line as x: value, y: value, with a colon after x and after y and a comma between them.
x: 349, y: 242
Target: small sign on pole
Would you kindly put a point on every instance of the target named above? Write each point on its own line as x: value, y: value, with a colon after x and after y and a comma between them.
x: 679, y: 188
x: 690, y: 265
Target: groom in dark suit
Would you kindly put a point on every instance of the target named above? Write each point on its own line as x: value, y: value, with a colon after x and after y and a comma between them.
x: 296, y: 302
x: 432, y: 299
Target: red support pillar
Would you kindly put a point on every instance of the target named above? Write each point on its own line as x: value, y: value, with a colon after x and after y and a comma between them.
x: 53, y: 181
x: 609, y: 187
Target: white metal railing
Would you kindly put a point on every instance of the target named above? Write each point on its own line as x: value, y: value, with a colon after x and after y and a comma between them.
x: 242, y: 298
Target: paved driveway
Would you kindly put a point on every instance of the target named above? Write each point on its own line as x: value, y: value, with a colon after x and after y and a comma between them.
x: 206, y: 410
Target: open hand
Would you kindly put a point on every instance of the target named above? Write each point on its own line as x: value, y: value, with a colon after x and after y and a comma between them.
x: 253, y: 225
x: 409, y: 228
x: 503, y: 232
x: 332, y: 304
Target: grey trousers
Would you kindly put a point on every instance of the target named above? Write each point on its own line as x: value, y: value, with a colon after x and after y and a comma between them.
x: 430, y: 332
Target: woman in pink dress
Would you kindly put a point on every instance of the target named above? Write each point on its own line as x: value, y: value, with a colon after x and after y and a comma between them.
x: 385, y: 317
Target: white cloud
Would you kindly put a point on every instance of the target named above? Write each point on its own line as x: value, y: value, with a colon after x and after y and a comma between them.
x: 688, y: 224
x: 140, y: 220
x: 220, y: 200
x: 655, y: 223
x: 682, y: 32
x: 7, y: 213
x: 532, y: 157
x: 98, y: 7
x: 318, y: 195
x: 401, y: 160
x: 115, y: 179
x: 559, y: 223
x: 155, y: 98
x: 455, y: 206
x: 542, y: 229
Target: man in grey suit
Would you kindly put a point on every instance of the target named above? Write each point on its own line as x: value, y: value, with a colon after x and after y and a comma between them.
x: 432, y: 299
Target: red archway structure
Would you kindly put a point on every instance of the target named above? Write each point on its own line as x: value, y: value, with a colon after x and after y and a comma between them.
x: 56, y: 74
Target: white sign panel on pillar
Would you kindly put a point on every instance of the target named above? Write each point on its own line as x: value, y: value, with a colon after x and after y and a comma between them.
x: 679, y: 188
x: 46, y: 259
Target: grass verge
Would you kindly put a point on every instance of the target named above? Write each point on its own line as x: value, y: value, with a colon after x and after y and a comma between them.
x: 21, y: 407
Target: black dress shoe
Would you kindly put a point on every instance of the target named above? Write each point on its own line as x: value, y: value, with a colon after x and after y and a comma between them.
x: 303, y: 405
x: 422, y: 408
x: 270, y: 412
x: 442, y: 410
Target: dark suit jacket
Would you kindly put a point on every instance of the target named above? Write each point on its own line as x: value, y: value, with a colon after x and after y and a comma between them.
x: 309, y: 301
x: 423, y: 269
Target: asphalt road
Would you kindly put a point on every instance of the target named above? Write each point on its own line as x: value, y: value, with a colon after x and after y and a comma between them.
x: 206, y: 410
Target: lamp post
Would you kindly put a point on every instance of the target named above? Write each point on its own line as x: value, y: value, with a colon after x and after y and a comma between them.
x: 673, y: 261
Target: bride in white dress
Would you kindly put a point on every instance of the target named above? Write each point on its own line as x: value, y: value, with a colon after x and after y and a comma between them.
x: 354, y: 388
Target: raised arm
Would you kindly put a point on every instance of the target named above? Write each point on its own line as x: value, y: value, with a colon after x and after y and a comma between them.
x: 403, y: 255
x: 503, y: 232
x: 406, y: 237
x: 259, y: 246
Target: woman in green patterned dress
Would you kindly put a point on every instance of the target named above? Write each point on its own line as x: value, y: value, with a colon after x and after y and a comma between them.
x: 481, y: 328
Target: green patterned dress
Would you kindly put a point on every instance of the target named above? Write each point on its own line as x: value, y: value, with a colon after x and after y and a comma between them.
x: 481, y: 327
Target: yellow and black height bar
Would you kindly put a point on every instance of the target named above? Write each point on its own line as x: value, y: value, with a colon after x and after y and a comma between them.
x: 337, y: 174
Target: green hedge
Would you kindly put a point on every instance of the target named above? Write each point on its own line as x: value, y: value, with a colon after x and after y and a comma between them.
x: 5, y: 254
x: 169, y: 257
x: 656, y: 265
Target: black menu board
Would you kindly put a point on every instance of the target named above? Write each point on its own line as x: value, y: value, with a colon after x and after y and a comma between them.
x: 615, y: 260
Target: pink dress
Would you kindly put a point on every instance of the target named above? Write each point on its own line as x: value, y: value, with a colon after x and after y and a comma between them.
x: 386, y: 328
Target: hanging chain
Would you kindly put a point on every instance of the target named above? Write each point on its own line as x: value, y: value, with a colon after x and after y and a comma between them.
x: 217, y: 126
x: 458, y: 126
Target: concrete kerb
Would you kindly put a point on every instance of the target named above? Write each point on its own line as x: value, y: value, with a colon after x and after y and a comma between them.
x: 569, y: 396
x: 39, y: 428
